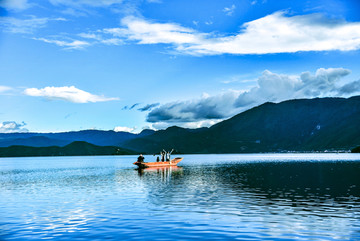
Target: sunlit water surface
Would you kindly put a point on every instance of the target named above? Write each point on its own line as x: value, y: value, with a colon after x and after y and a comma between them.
x: 244, y: 197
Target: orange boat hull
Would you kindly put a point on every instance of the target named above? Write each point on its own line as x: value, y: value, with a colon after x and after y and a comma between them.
x: 173, y: 162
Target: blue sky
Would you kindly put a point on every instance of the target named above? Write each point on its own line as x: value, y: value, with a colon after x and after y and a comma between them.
x: 128, y: 65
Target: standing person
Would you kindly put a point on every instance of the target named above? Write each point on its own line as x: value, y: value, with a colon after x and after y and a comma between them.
x: 162, y: 156
x: 141, y: 158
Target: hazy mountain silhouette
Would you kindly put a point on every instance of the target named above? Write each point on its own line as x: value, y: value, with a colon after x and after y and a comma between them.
x: 97, y: 137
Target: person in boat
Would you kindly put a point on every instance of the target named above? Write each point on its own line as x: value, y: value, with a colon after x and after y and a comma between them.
x: 168, y: 155
x: 157, y: 159
x: 162, y: 156
x: 141, y: 158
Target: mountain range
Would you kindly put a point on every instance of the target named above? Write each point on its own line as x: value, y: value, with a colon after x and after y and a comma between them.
x: 304, y: 125
x: 76, y: 148
x: 321, y: 124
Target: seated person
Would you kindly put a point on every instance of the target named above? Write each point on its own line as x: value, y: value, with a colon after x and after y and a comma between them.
x: 141, y: 158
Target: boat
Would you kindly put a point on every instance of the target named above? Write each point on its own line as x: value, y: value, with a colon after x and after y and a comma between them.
x: 173, y: 162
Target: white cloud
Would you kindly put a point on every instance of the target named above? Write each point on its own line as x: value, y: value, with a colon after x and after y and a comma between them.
x: 67, y: 93
x: 12, y: 126
x: 15, y: 5
x: 69, y: 44
x: 4, y: 88
x: 229, y: 10
x: 275, y: 33
x: 112, y: 41
x: 270, y: 87
x: 124, y: 129
x: 153, y: 33
x: 99, y: 39
x: 90, y: 36
x: 199, y: 124
x: 16, y: 25
x: 190, y: 125
x: 238, y: 79
x: 279, y: 87
x: 91, y: 3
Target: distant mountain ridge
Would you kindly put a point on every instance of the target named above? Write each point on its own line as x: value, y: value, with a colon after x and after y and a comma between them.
x: 76, y: 148
x: 96, y: 137
x: 304, y: 125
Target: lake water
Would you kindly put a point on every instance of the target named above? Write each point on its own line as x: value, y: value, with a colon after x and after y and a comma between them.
x: 233, y: 197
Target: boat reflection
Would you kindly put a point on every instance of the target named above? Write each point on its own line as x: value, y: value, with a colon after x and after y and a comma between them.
x: 164, y: 172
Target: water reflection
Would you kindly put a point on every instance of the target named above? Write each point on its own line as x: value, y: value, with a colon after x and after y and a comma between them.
x: 294, y: 180
x: 164, y: 173
x: 300, y: 183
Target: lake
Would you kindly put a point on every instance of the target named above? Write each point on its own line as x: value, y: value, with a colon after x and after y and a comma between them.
x: 233, y: 197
